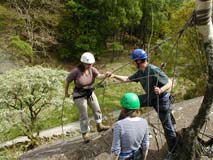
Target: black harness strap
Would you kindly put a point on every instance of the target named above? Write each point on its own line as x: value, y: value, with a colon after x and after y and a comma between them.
x: 84, y: 92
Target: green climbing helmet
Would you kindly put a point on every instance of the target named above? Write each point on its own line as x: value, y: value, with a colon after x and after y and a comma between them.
x: 130, y: 101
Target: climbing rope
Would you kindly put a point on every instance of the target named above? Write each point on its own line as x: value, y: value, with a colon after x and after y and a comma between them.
x: 175, y: 46
x: 158, y: 45
x: 102, y: 83
x: 62, y: 116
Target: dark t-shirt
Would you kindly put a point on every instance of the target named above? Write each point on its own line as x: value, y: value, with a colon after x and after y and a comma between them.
x: 156, y: 78
x: 80, y: 79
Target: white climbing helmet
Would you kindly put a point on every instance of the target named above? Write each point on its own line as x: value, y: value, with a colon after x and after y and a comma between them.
x: 87, y: 58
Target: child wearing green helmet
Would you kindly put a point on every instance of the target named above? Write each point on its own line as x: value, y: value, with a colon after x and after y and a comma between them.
x: 130, y: 135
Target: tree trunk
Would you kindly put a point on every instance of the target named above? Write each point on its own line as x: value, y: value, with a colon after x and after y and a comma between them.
x: 188, y: 148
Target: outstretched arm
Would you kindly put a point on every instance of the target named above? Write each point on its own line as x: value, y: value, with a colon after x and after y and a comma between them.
x: 120, y: 78
x: 102, y: 76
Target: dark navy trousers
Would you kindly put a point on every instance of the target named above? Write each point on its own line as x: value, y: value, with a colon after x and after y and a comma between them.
x: 161, y: 105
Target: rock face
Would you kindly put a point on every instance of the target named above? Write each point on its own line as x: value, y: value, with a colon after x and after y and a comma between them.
x: 99, y: 147
x: 74, y: 149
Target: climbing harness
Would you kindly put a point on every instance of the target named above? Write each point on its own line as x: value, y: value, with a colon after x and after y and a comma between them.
x: 87, y: 93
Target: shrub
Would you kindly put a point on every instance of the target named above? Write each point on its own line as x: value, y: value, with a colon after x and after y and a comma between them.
x: 20, y: 47
x: 27, y: 92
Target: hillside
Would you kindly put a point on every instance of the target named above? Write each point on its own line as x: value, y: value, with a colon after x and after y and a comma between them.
x: 29, y: 31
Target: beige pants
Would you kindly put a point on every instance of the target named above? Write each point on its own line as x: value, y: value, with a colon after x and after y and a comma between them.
x: 82, y: 105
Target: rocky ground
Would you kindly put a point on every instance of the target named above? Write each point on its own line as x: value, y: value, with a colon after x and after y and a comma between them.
x: 99, y: 147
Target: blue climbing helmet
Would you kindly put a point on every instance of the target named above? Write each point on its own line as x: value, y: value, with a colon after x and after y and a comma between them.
x: 139, y: 54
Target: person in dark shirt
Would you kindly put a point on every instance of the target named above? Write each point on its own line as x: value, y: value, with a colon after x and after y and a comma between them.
x: 156, y: 85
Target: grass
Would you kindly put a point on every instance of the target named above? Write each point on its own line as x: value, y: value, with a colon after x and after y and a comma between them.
x: 69, y: 115
x: 7, y: 155
x: 109, y: 100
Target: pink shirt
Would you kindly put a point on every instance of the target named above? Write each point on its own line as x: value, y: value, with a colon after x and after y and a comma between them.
x: 80, y: 79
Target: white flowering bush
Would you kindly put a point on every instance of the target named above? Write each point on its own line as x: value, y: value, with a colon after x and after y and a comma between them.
x: 26, y: 93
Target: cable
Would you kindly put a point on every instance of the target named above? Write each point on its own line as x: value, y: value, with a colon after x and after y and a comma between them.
x: 62, y: 116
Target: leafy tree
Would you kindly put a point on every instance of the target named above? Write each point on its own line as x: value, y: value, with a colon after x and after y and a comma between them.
x: 29, y: 91
x: 155, y: 20
x: 188, y: 147
x: 36, y: 24
x: 88, y: 25
x: 190, y: 53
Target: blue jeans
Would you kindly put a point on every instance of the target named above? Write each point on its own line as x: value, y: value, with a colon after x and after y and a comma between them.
x: 162, y: 107
x: 164, y: 115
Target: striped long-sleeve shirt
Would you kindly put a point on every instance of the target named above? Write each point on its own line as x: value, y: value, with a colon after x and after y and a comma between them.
x: 129, y: 135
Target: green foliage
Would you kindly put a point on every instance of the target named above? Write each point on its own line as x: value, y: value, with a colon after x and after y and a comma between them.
x: 155, y: 20
x: 63, y: 53
x: 96, y: 25
x: 3, y: 24
x: 188, y: 60
x: 26, y: 93
x: 178, y: 17
x: 89, y: 24
x: 7, y: 18
x: 115, y: 46
x: 5, y: 156
x: 20, y: 47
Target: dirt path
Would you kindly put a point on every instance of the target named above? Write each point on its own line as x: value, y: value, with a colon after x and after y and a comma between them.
x: 72, y: 128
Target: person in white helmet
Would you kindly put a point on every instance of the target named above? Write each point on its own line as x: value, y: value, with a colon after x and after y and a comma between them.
x: 84, y: 76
